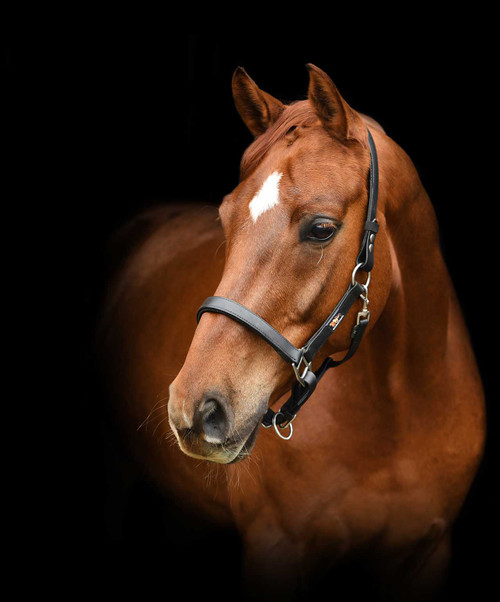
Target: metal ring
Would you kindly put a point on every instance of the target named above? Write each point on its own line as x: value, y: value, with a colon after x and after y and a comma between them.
x: 365, y: 285
x: 277, y: 429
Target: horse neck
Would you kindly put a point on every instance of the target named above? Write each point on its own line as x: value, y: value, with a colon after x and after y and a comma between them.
x: 409, y: 341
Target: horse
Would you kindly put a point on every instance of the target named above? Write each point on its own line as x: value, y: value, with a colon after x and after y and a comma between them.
x: 385, y: 451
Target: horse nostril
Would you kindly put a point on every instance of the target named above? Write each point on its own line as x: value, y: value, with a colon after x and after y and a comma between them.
x: 211, y: 419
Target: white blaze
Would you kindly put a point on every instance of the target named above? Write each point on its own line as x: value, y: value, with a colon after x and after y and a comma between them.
x: 267, y: 197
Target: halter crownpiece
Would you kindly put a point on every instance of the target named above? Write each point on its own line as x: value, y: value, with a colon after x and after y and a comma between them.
x: 301, y: 359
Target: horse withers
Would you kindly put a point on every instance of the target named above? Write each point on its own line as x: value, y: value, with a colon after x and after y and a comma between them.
x: 384, y: 452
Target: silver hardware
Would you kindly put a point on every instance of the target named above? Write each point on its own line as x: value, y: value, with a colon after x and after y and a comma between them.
x: 289, y: 424
x: 365, y: 285
x: 372, y: 237
x: 364, y: 313
x: 370, y: 248
x: 296, y: 369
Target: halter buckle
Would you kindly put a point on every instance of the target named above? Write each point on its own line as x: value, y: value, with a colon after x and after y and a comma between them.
x: 296, y: 369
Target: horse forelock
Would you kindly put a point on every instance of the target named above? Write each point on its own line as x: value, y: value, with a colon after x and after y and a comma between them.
x: 299, y: 113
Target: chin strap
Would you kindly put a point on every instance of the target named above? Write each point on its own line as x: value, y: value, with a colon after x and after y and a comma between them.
x: 301, y: 359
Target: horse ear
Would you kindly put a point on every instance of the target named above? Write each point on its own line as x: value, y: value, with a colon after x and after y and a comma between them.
x: 335, y: 114
x: 257, y: 108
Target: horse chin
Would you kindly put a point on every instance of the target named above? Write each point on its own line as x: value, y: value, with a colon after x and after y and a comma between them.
x: 247, y: 447
x: 220, y: 454
x: 243, y: 452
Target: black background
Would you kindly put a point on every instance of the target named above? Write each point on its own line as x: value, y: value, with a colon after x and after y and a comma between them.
x: 106, y: 116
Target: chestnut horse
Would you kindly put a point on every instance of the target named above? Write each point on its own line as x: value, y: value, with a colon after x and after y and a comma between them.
x: 385, y: 450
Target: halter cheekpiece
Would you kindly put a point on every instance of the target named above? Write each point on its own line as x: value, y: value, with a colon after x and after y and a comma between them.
x: 301, y: 359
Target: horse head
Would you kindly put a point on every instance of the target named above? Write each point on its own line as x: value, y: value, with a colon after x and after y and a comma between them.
x: 293, y: 227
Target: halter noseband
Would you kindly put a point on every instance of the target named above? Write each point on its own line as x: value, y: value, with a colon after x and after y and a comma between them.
x: 301, y: 359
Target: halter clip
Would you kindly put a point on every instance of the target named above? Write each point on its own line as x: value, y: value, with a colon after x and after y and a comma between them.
x: 364, y: 314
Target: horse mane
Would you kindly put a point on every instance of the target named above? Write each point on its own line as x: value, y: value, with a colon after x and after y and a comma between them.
x: 299, y: 113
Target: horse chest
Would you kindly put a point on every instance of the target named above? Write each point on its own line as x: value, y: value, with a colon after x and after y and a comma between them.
x: 327, y: 513
x: 338, y: 484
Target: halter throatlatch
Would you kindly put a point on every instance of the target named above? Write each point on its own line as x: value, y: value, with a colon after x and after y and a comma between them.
x: 301, y: 359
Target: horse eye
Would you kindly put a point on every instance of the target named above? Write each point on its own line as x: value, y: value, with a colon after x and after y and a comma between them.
x: 321, y: 231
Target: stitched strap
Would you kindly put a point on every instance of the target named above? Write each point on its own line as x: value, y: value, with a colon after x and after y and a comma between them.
x: 278, y: 342
x: 320, y: 337
x: 255, y: 323
x: 365, y: 256
x: 300, y: 394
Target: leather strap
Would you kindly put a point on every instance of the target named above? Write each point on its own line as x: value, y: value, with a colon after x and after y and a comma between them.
x: 301, y: 393
x: 365, y: 256
x: 320, y: 337
x: 255, y: 323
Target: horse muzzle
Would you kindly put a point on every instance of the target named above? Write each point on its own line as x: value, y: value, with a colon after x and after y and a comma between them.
x: 210, y: 432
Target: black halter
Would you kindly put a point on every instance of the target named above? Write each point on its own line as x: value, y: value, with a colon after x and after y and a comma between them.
x: 301, y: 359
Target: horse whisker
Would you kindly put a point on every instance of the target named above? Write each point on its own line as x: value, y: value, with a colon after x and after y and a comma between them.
x: 154, y: 409
x: 162, y: 420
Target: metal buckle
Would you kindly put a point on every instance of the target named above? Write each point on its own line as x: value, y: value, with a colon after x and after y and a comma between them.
x: 296, y: 368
